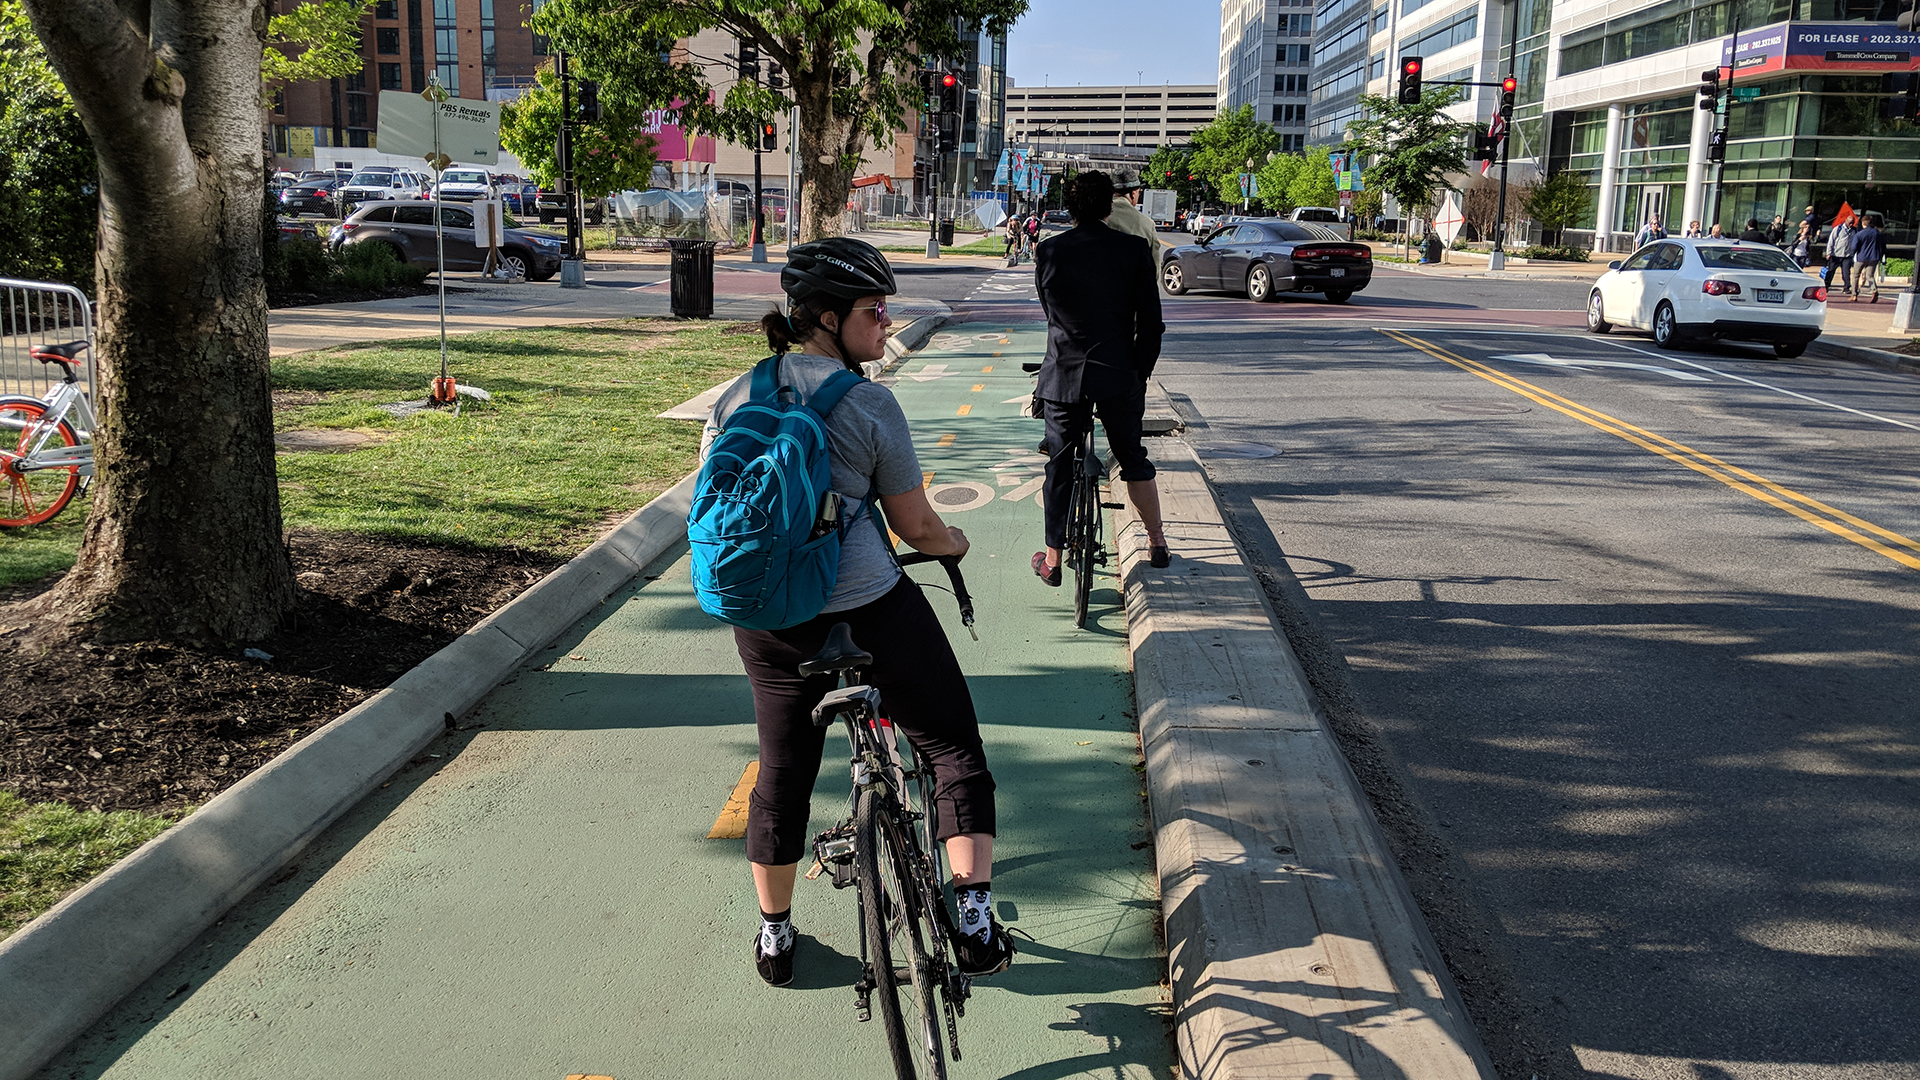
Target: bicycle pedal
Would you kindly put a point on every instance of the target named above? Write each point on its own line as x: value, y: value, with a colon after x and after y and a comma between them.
x: 818, y: 869
x: 844, y: 876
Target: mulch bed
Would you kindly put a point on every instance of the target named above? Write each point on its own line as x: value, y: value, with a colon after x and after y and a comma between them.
x: 156, y: 727
x: 277, y: 300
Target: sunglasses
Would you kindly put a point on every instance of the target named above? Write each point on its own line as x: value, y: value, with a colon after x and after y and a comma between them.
x: 878, y: 307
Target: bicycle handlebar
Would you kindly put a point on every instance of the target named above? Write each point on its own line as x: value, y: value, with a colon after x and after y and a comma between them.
x: 952, y: 565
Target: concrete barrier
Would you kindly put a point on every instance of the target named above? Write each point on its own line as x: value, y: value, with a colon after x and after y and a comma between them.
x: 1294, y: 947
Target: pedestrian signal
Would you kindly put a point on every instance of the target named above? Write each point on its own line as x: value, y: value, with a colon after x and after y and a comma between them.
x: 589, y: 112
x: 1717, y: 146
x: 769, y: 137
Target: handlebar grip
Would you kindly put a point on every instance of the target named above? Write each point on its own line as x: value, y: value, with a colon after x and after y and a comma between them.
x: 951, y: 563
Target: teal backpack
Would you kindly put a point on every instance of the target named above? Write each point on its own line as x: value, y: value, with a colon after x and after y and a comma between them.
x: 765, y: 527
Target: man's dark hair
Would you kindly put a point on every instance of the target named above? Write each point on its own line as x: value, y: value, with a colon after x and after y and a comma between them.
x: 1091, y: 198
x: 1753, y: 223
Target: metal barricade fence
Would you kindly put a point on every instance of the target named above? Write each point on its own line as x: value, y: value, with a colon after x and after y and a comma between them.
x: 41, y: 313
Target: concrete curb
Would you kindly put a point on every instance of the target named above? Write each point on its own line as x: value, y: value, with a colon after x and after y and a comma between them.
x: 1863, y: 354
x: 66, y: 969
x: 1294, y: 947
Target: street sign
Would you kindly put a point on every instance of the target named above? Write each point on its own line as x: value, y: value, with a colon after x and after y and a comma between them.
x: 469, y: 129
x: 1346, y: 198
x: 1745, y: 93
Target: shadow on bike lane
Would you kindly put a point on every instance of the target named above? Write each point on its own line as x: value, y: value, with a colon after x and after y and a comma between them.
x: 544, y: 900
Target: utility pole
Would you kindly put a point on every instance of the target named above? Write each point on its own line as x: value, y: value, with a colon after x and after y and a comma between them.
x: 568, y: 197
x: 1498, y: 259
x: 1717, y: 145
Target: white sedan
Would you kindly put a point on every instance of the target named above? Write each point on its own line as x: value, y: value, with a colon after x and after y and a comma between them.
x: 1684, y: 289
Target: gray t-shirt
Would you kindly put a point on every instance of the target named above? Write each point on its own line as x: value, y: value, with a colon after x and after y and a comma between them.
x: 870, y: 445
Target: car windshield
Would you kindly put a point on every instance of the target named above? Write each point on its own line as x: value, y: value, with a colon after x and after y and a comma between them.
x: 373, y: 179
x: 463, y: 178
x: 1767, y: 258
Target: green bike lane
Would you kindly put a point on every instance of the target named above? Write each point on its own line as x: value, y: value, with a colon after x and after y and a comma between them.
x: 542, y: 898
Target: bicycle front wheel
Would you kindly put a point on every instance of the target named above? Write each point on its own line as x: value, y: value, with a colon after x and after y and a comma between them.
x: 895, y: 924
x: 32, y: 497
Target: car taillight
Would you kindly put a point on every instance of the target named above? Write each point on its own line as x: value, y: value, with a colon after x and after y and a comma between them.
x: 1716, y: 287
x: 1814, y: 292
x: 349, y: 226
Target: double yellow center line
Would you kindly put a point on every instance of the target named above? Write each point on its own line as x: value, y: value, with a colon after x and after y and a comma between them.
x: 1900, y: 549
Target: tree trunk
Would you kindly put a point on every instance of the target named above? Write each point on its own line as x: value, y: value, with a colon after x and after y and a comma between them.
x: 184, y: 539
x: 825, y: 140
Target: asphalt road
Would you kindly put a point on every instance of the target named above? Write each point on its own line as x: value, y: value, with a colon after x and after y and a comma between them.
x: 1623, y: 642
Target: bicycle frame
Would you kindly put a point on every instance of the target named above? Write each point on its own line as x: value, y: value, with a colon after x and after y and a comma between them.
x: 65, y: 402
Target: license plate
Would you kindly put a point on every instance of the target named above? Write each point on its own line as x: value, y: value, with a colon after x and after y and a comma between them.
x: 1772, y: 296
x: 1337, y: 272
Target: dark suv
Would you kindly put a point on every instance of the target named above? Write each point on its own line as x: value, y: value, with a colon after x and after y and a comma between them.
x: 551, y: 208
x: 407, y: 227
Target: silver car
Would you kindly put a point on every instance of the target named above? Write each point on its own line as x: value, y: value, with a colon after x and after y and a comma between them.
x: 382, y: 184
x: 407, y: 228
x: 466, y: 185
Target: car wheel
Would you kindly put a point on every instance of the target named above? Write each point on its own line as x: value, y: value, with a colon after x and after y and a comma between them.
x: 1596, y: 315
x: 518, y: 261
x: 1259, y: 284
x: 1173, y: 279
x: 1666, y: 328
x: 1787, y: 351
x: 1338, y: 296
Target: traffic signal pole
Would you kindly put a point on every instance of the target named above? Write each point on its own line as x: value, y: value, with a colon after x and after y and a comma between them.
x: 1498, y: 259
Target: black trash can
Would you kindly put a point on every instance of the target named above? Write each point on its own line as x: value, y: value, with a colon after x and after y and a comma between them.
x: 946, y: 232
x: 691, y: 278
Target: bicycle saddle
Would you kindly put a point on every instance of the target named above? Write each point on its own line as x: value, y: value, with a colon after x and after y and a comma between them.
x: 838, y: 654
x: 1029, y: 367
x: 47, y: 354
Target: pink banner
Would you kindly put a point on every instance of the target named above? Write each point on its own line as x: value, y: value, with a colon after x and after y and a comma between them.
x: 664, y: 126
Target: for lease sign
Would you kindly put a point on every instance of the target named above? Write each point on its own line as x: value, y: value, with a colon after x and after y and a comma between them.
x: 1813, y: 46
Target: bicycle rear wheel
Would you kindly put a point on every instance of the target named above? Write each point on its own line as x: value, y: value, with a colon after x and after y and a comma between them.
x: 30, y: 498
x: 895, y: 924
x: 1085, y: 533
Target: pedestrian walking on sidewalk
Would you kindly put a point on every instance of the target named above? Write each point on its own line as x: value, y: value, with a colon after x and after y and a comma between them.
x: 1840, y: 256
x: 1103, y: 338
x: 1801, y: 249
x: 1869, y: 255
x: 836, y: 320
x: 1649, y: 232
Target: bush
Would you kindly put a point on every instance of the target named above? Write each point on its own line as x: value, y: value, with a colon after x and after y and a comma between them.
x: 1542, y: 253
x: 1899, y: 268
x: 299, y: 266
x: 372, y: 267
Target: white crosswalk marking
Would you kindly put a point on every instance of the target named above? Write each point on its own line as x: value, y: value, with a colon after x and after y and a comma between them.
x: 1006, y: 285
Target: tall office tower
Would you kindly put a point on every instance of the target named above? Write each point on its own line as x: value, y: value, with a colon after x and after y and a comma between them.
x: 1266, y: 51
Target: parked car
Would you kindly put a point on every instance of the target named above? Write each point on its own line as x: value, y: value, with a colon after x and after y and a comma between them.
x: 382, y: 184
x: 519, y: 198
x: 1685, y: 289
x: 1199, y: 221
x: 1325, y: 214
x: 465, y: 185
x: 407, y: 227
x: 1265, y: 257
x: 310, y: 197
x: 291, y: 229
x: 1057, y: 217
x: 552, y: 208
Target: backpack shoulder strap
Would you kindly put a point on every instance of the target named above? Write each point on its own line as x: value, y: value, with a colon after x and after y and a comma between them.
x: 766, y: 379
x: 823, y: 400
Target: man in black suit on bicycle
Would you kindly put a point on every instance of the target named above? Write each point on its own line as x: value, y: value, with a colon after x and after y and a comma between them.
x: 1103, y: 337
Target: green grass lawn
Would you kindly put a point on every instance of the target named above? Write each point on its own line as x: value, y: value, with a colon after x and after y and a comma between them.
x: 568, y: 445
x: 991, y: 245
x: 47, y: 850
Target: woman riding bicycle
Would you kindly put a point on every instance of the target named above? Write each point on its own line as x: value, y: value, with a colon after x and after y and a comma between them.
x: 837, y: 319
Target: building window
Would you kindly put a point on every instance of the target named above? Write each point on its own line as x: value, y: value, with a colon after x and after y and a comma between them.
x: 386, y: 9
x: 390, y: 77
x: 386, y: 40
x: 356, y: 110
x: 1380, y: 20
x: 1444, y: 37
x: 1289, y: 115
x: 446, y: 45
x: 489, y: 52
x: 1294, y: 55
x: 358, y: 137
x: 357, y: 81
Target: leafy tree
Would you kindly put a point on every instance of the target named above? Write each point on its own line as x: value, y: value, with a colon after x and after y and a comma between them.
x: 1222, y: 149
x: 49, y: 202
x: 613, y: 154
x: 1557, y: 202
x: 319, y: 39
x: 1410, y: 148
x: 1169, y: 168
x: 1367, y: 205
x: 850, y: 67
x: 1277, y: 178
x: 183, y: 539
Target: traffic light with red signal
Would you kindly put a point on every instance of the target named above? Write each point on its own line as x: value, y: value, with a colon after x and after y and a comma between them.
x: 1507, y: 86
x: 1410, y: 80
x: 769, y: 136
x: 951, y: 90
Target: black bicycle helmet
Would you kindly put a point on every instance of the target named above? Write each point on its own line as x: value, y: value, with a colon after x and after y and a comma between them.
x: 837, y: 266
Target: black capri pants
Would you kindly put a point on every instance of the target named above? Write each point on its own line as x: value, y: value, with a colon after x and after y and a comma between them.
x: 1067, y: 423
x: 921, y: 687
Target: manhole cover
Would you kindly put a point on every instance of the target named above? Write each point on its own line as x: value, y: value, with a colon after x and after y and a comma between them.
x: 1482, y: 408
x: 961, y: 496
x: 1243, y: 450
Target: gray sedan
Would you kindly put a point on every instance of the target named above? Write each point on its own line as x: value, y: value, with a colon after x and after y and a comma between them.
x: 407, y: 227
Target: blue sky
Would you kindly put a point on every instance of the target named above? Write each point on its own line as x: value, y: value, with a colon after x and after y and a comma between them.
x: 1104, y: 42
